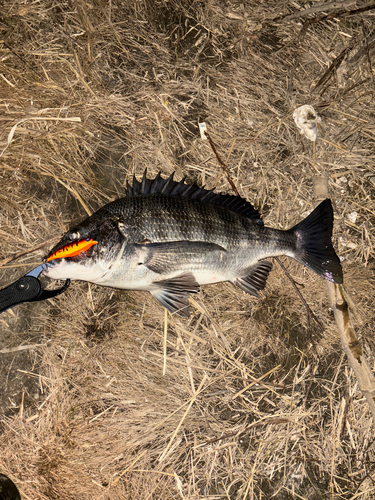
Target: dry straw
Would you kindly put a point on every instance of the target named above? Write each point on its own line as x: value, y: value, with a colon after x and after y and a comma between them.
x: 254, y: 400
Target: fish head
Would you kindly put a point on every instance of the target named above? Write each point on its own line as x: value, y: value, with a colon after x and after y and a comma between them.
x: 88, y: 252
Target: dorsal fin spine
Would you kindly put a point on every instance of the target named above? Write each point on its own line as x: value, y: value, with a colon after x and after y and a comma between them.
x: 136, y: 186
x: 129, y: 189
x: 154, y: 188
x: 177, y: 188
x: 145, y: 183
x: 168, y: 186
x: 189, y: 190
x: 198, y: 193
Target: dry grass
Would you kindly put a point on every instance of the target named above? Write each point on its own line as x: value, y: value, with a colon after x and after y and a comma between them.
x: 255, y: 402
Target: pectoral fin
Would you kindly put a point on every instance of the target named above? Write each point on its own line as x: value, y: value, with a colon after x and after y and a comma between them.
x: 256, y: 278
x: 168, y: 257
x: 173, y: 293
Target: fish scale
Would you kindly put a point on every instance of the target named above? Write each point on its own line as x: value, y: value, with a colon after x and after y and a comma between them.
x: 179, y: 219
x: 170, y: 237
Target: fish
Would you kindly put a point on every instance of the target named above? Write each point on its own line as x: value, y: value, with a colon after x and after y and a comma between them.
x: 170, y: 237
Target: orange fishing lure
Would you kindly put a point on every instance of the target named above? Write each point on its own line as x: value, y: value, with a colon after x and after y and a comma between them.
x: 72, y: 249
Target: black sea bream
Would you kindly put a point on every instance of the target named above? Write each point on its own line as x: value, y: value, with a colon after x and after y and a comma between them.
x: 169, y: 238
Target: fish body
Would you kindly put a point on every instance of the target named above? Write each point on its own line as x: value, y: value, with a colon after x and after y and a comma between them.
x: 169, y: 237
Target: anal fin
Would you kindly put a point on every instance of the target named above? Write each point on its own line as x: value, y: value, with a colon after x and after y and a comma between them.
x: 255, y: 279
x: 173, y: 293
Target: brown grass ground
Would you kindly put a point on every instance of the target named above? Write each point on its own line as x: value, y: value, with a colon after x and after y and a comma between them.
x: 255, y: 402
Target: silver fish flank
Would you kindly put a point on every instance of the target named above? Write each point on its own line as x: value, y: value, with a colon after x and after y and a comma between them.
x: 169, y: 237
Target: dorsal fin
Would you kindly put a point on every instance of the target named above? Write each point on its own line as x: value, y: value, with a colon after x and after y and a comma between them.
x: 168, y: 186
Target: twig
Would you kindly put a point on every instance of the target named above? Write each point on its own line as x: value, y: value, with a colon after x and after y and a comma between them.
x: 7, y: 350
x: 40, y: 118
x: 117, y: 479
x: 309, y: 312
x: 26, y: 252
x: 199, y: 390
x: 367, y: 49
x: 23, y: 60
x: 343, y: 4
x: 334, y: 65
x: 224, y: 167
x: 165, y: 341
x: 326, y: 17
x: 350, y: 343
x: 258, y: 423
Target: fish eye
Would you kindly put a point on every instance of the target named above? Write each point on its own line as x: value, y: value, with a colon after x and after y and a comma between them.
x: 74, y: 235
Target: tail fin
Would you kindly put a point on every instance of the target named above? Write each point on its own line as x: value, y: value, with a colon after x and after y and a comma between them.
x: 314, y: 247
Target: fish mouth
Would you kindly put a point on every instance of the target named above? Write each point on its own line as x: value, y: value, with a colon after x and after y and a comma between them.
x: 94, y: 264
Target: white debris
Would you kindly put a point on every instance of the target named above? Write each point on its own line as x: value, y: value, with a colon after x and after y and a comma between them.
x: 202, y: 130
x: 341, y: 180
x: 352, y: 217
x: 307, y: 120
